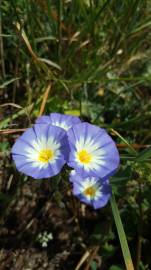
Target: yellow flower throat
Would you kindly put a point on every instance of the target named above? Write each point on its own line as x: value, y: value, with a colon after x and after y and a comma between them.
x: 90, y: 191
x: 45, y: 155
x: 84, y: 156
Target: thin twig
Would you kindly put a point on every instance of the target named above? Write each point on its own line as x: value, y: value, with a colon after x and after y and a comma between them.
x: 83, y: 259
x: 135, y: 145
x: 11, y: 131
x: 92, y: 256
x: 45, y: 97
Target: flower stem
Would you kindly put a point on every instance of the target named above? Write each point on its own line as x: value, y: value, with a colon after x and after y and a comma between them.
x: 122, y: 236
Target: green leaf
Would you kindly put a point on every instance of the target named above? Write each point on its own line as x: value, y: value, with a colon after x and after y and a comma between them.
x: 49, y: 63
x: 122, y: 176
x: 144, y: 155
x: 133, y: 151
x: 93, y: 265
x: 8, y: 82
x: 122, y: 236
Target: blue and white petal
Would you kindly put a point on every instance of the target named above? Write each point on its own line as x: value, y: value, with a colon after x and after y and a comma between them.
x: 92, y: 191
x: 40, y: 151
x: 92, y: 151
x: 76, y: 177
x: 59, y: 120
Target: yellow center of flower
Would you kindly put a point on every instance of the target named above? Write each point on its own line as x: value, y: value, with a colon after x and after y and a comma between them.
x: 90, y: 191
x: 45, y: 155
x: 84, y: 156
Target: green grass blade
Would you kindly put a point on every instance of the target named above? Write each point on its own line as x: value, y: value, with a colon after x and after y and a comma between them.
x: 122, y: 236
x: 144, y: 155
x: 125, y: 141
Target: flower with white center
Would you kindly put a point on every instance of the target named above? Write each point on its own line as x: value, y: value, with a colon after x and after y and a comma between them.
x: 91, y: 190
x: 40, y: 151
x: 59, y: 120
x: 92, y: 151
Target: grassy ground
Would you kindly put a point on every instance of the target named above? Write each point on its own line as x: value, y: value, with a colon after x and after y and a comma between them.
x: 91, y: 59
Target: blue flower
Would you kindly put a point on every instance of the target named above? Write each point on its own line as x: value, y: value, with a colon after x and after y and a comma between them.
x: 92, y: 151
x: 59, y: 120
x: 41, y: 151
x: 73, y: 175
x: 91, y: 190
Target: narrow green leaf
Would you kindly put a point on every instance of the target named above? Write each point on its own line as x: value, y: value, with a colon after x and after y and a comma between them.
x: 144, y: 155
x: 141, y: 27
x: 26, y: 111
x: 41, y: 39
x: 133, y: 151
x: 50, y: 63
x: 8, y: 82
x: 122, y: 236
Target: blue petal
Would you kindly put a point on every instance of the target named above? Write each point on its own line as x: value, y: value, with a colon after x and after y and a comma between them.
x: 23, y: 144
x: 101, y: 201
x: 58, y: 119
x: 96, y: 135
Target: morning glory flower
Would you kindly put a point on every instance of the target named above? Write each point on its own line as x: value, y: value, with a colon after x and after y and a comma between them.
x: 92, y: 191
x: 59, y: 120
x: 40, y: 151
x: 92, y: 151
x: 74, y: 176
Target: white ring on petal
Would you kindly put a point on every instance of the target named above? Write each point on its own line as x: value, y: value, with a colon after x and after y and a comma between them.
x: 94, y: 149
x: 91, y: 183
x: 33, y: 152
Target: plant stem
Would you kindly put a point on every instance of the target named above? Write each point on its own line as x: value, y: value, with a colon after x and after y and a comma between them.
x: 140, y: 224
x: 122, y: 236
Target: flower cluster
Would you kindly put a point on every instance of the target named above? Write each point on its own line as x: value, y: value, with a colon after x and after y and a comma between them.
x: 55, y: 140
